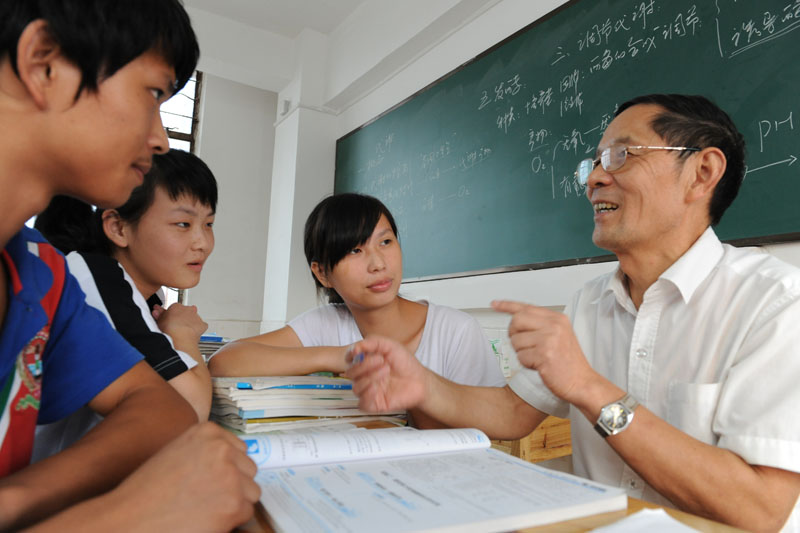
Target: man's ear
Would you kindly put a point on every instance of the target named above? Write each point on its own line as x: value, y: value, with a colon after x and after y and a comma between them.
x: 40, y: 63
x: 709, y: 166
x: 319, y: 273
x: 115, y: 228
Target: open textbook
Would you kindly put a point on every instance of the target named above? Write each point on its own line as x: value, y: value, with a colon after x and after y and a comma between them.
x: 402, y: 479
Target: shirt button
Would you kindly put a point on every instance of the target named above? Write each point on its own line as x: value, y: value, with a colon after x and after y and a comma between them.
x: 632, y: 483
x: 641, y: 353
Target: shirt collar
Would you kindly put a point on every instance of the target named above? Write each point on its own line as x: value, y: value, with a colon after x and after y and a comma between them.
x: 617, y: 287
x: 694, y: 266
x: 687, y: 273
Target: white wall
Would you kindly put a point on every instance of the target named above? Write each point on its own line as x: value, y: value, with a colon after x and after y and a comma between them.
x: 242, y: 53
x: 236, y: 141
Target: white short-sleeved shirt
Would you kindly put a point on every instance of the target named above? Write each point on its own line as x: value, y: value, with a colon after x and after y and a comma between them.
x: 714, y: 350
x: 453, y: 344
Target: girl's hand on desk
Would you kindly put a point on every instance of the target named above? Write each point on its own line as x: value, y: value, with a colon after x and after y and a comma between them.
x: 386, y: 376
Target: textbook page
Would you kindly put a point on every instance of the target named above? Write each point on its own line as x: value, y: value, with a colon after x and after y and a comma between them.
x: 280, y: 450
x: 480, y: 490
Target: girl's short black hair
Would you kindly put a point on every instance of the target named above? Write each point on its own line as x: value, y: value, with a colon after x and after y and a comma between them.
x: 72, y: 225
x: 102, y: 36
x: 338, y: 224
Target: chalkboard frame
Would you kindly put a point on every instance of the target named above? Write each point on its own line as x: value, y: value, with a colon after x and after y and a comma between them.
x: 739, y: 242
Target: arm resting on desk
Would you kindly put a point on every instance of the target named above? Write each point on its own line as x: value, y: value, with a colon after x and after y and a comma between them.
x: 277, y: 353
x: 202, y: 481
x: 142, y: 413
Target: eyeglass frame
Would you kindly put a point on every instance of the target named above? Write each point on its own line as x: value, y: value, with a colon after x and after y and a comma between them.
x: 598, y: 160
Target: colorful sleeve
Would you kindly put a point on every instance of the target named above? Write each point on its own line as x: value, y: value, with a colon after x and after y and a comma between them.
x: 83, y: 356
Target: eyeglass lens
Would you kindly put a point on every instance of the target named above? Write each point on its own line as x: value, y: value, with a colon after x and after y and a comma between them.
x: 612, y: 158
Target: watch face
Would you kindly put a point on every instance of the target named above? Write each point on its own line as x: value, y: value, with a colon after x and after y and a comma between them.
x: 615, y: 416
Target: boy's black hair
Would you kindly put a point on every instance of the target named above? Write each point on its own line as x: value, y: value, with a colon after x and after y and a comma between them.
x: 72, y: 225
x: 69, y: 224
x: 696, y: 121
x: 338, y: 224
x: 102, y: 36
x: 179, y: 173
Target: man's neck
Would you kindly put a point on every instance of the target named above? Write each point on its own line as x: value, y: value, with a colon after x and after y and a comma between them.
x: 643, y: 266
x: 19, y: 201
x: 25, y: 178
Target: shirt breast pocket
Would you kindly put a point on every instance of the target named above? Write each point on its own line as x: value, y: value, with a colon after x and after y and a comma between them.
x: 691, y: 408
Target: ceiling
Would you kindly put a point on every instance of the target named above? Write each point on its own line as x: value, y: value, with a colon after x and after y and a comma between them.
x: 283, y: 17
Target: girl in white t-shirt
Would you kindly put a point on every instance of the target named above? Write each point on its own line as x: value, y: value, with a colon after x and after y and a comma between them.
x: 352, y: 248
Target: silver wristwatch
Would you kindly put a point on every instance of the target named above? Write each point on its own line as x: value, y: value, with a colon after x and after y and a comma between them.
x: 616, y: 416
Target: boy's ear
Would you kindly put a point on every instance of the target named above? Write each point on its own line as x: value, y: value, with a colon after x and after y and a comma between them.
x: 319, y: 273
x: 115, y: 229
x: 41, y: 65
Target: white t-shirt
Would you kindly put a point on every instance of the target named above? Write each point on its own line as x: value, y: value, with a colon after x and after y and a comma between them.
x: 453, y: 344
x: 714, y: 350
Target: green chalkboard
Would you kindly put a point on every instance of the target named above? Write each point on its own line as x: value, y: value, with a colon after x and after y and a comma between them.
x: 478, y: 167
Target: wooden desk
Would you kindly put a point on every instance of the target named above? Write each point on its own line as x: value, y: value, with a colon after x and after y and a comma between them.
x: 588, y: 523
x: 550, y: 440
x: 259, y: 523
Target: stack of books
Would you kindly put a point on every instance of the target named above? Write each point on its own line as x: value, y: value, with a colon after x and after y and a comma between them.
x: 280, y: 403
x: 210, y: 343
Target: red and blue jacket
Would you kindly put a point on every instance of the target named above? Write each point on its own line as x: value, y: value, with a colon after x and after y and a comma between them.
x: 56, y: 352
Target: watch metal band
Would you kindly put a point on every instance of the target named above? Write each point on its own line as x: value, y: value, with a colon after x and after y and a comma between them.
x: 628, y: 403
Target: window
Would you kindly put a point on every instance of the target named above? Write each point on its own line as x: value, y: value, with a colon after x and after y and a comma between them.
x: 179, y: 115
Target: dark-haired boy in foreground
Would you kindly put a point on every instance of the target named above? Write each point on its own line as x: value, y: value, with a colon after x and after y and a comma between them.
x: 81, y: 83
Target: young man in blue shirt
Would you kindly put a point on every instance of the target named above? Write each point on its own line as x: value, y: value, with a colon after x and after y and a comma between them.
x: 81, y: 83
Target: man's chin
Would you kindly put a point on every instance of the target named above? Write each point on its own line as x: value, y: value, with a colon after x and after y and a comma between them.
x: 111, y: 199
x: 604, y: 242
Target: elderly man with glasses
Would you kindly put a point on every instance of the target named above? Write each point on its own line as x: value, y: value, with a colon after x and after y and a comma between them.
x: 678, y: 370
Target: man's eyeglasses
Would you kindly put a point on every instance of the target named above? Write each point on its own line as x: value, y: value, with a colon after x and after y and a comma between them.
x: 613, y: 157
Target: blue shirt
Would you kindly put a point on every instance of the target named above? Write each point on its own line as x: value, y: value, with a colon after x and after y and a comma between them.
x: 83, y: 355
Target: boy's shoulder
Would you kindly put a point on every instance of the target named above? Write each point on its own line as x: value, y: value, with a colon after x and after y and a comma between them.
x: 35, y: 265
x: 27, y: 244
